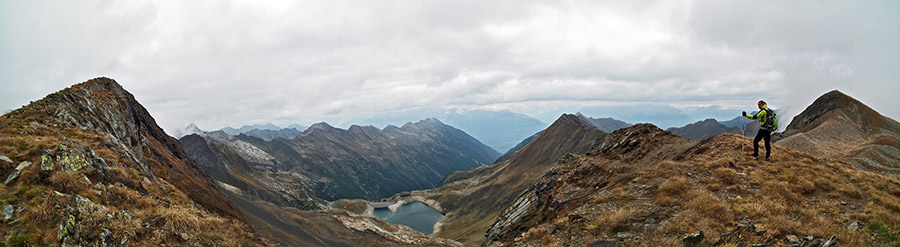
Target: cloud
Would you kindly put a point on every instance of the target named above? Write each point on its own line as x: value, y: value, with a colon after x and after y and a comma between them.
x: 220, y: 63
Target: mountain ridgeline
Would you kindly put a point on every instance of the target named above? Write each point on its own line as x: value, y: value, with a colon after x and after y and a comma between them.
x: 333, y: 163
x: 88, y: 166
x: 830, y: 183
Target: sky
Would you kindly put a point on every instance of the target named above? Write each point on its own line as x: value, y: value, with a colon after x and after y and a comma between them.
x: 229, y: 63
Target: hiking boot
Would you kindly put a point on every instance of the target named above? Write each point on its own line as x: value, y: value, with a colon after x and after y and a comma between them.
x: 755, y: 157
x: 767, y: 158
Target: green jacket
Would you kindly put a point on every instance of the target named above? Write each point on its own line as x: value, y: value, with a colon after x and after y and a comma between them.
x: 761, y: 115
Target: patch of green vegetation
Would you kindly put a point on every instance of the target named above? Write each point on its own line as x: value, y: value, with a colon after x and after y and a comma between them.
x: 883, y: 233
x: 9, y: 198
x: 17, y: 239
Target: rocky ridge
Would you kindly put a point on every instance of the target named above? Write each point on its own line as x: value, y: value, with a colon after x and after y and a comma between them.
x: 105, y: 174
x: 625, y: 193
x: 642, y: 186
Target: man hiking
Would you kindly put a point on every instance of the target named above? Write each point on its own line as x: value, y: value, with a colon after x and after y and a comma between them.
x: 767, y: 124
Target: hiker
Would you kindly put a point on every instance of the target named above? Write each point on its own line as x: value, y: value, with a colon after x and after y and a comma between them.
x: 767, y: 124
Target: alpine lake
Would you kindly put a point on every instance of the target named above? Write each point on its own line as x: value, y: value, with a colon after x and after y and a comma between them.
x: 416, y: 215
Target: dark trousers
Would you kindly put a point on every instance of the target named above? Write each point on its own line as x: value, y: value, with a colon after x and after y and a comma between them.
x: 762, y: 134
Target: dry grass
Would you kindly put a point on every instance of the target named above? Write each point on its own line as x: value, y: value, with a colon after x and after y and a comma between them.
x: 616, y: 219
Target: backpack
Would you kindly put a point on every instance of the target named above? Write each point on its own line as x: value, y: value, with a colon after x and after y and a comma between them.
x: 771, y: 121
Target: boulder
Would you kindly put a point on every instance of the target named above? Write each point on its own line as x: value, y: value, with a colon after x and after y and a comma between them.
x: 8, y: 211
x: 5, y: 159
x: 15, y: 174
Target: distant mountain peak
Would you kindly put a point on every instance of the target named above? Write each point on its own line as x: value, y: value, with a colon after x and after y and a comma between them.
x: 188, y: 130
x: 827, y: 105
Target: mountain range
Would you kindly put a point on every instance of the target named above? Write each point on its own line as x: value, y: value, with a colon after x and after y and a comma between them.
x: 359, y: 162
x: 88, y: 166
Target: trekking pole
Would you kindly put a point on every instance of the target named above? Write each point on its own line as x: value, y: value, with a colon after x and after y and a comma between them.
x: 743, y: 129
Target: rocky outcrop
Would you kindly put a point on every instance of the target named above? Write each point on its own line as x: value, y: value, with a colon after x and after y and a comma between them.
x: 105, y: 174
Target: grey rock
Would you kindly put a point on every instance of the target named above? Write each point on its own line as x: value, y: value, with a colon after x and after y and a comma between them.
x: 16, y: 172
x: 106, y: 238
x: 854, y: 226
x: 4, y: 158
x: 831, y: 242
x: 8, y: 211
x: 623, y: 235
x: 793, y: 240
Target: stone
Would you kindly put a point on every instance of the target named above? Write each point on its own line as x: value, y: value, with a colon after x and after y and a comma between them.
x: 8, y: 211
x: 831, y: 242
x: 47, y: 161
x: 15, y: 174
x: 623, y: 235
x: 604, y: 243
x: 106, y: 238
x: 854, y: 226
x: 793, y: 240
x: 6, y: 159
x: 693, y: 239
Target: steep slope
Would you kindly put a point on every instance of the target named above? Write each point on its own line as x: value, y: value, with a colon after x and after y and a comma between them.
x: 476, y: 198
x: 642, y: 186
x: 360, y: 162
x: 219, y: 160
x: 704, y: 129
x: 105, y: 174
x: 839, y: 126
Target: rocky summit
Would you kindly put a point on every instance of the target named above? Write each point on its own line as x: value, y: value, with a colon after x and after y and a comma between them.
x: 104, y: 174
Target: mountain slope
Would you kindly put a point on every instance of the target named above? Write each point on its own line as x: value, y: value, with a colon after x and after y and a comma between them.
x: 839, y: 126
x: 642, y: 186
x: 105, y: 173
x: 360, y: 162
x: 704, y: 129
x: 475, y: 199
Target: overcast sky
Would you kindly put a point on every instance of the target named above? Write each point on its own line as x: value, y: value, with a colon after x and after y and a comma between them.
x: 218, y: 63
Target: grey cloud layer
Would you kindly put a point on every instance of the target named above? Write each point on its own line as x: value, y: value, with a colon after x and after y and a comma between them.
x: 222, y: 63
